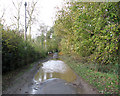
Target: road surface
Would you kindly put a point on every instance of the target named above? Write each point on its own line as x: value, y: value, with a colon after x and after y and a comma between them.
x: 53, y: 77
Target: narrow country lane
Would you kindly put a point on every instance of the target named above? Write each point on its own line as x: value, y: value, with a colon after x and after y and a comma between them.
x: 53, y: 77
x: 59, y: 47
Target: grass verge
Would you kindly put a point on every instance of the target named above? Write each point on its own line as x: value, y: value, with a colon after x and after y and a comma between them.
x: 104, y: 82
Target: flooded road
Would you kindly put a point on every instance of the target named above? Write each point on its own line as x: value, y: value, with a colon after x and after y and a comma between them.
x: 53, y: 78
x: 49, y: 77
x: 55, y: 69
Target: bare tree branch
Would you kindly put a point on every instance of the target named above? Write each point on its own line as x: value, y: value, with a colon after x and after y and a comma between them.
x: 18, y: 8
x: 30, y: 11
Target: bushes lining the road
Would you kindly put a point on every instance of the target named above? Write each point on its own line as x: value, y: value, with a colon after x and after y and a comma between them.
x: 91, y: 30
x: 16, y: 52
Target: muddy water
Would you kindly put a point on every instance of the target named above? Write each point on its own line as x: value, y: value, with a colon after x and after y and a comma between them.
x: 54, y: 69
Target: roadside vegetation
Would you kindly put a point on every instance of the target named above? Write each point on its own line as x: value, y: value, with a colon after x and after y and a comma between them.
x: 89, y: 35
x: 106, y: 83
x: 19, y: 55
x: 17, y: 52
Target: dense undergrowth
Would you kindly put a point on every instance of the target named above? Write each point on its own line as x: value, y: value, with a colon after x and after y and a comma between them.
x: 17, y: 52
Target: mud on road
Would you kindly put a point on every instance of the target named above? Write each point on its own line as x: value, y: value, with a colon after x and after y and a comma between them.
x: 30, y: 82
x: 21, y: 84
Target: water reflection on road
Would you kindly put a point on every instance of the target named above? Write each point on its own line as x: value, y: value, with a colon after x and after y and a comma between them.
x: 50, y: 75
x: 54, y: 69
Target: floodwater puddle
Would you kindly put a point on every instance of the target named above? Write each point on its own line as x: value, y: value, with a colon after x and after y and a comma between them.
x: 54, y: 69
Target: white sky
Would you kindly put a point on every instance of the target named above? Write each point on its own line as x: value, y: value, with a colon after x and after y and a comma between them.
x: 45, y: 9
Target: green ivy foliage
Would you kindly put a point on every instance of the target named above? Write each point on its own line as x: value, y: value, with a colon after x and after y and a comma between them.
x: 90, y: 30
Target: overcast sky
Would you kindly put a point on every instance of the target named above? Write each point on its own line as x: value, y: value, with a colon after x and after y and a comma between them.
x: 45, y: 9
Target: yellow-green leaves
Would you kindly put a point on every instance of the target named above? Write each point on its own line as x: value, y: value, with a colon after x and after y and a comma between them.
x: 92, y: 28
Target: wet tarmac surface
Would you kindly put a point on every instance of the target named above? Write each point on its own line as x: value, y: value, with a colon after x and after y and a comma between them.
x: 55, y: 69
x: 53, y: 86
x: 53, y: 77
